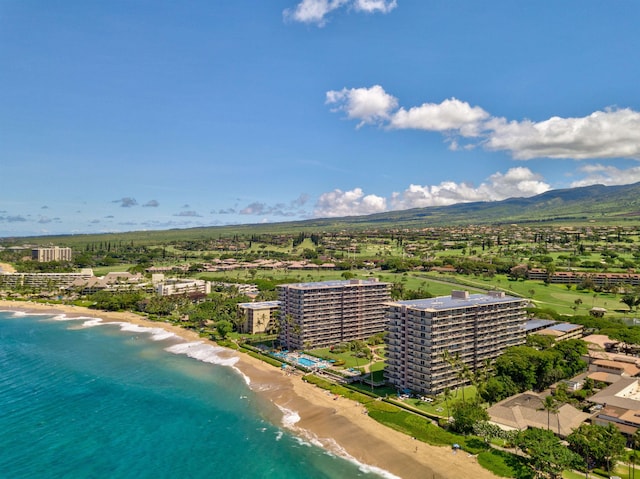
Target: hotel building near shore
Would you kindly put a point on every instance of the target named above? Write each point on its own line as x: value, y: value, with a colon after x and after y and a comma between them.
x: 54, y: 253
x: 471, y: 327
x: 325, y: 313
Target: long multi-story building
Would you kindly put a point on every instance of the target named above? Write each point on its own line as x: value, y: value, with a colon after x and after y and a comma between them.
x: 54, y: 253
x: 469, y: 328
x: 326, y: 313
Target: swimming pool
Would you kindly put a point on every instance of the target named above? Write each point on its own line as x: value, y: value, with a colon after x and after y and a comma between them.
x: 307, y: 363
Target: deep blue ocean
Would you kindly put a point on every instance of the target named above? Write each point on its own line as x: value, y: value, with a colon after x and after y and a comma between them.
x: 98, y: 402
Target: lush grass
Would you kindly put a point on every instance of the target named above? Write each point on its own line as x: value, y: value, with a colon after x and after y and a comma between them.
x: 504, y: 464
x: 118, y: 268
x: 554, y: 296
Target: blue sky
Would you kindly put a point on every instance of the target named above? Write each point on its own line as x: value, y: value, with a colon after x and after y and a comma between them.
x: 153, y: 114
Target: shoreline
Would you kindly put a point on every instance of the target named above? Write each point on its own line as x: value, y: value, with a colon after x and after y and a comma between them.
x: 339, y: 426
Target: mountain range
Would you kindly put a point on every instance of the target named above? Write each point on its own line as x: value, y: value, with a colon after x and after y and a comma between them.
x: 604, y: 204
x: 582, y: 204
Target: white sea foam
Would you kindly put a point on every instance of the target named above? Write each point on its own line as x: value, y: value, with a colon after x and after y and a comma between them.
x: 64, y: 317
x: 206, y: 353
x: 289, y: 417
x: 157, y: 334
x: 279, y: 435
x: 90, y: 323
x: 329, y: 445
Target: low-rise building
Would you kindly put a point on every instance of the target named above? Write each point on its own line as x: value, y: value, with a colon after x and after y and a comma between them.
x: 173, y: 287
x: 527, y: 410
x: 563, y: 331
x: 259, y: 317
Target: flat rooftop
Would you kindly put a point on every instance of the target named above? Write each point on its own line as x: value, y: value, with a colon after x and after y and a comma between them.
x: 335, y: 283
x: 454, y: 301
x: 260, y: 304
x: 535, y: 324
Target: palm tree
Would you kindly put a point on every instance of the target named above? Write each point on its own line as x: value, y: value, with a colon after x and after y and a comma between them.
x: 447, y: 396
x: 550, y: 405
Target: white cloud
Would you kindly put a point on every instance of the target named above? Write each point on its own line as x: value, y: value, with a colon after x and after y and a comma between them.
x: 612, y: 133
x: 369, y: 105
x: 607, y: 175
x: 348, y: 203
x: 373, y: 6
x: 293, y: 208
x: 316, y: 11
x: 126, y: 202
x: 451, y: 114
x: 516, y: 182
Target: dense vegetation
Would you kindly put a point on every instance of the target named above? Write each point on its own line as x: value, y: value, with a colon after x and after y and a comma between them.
x: 422, y: 253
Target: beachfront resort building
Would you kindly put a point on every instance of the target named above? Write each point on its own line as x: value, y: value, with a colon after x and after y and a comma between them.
x: 258, y: 317
x: 54, y: 253
x: 325, y: 313
x: 427, y: 335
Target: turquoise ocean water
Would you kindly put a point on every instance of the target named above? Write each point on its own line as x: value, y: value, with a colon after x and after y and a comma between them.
x: 80, y: 400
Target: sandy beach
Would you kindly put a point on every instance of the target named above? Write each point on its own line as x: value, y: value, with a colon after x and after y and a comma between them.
x: 339, y: 425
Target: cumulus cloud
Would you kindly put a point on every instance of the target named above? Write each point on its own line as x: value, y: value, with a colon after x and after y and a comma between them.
x: 607, y: 175
x: 451, y: 114
x: 369, y: 105
x: 612, y: 133
x: 190, y: 214
x: 375, y: 6
x: 258, y: 208
x: 316, y: 11
x: 227, y: 211
x: 13, y: 218
x: 126, y: 202
x: 46, y: 219
x: 151, y: 204
x: 516, y: 182
x: 348, y: 203
x: 293, y: 208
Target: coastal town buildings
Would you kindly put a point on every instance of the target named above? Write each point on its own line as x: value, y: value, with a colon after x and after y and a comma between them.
x: 53, y: 253
x: 43, y: 281
x: 426, y: 334
x: 258, y: 317
x: 176, y: 286
x: 325, y: 313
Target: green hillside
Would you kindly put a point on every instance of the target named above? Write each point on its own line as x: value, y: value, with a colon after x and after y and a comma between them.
x: 604, y: 204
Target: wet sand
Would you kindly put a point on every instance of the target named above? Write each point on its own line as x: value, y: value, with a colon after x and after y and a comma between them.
x: 338, y: 425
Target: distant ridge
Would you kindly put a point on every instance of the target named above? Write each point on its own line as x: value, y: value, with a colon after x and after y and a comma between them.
x: 572, y: 205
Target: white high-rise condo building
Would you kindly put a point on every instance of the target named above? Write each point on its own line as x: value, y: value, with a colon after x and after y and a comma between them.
x: 326, y: 313
x: 54, y: 253
x: 469, y: 328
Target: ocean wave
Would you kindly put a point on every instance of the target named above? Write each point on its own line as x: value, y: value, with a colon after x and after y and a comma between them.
x: 289, y: 417
x: 90, y: 323
x: 157, y: 334
x: 206, y: 353
x: 329, y: 445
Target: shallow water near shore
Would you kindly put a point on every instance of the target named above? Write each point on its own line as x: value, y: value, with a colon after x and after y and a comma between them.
x: 83, y: 401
